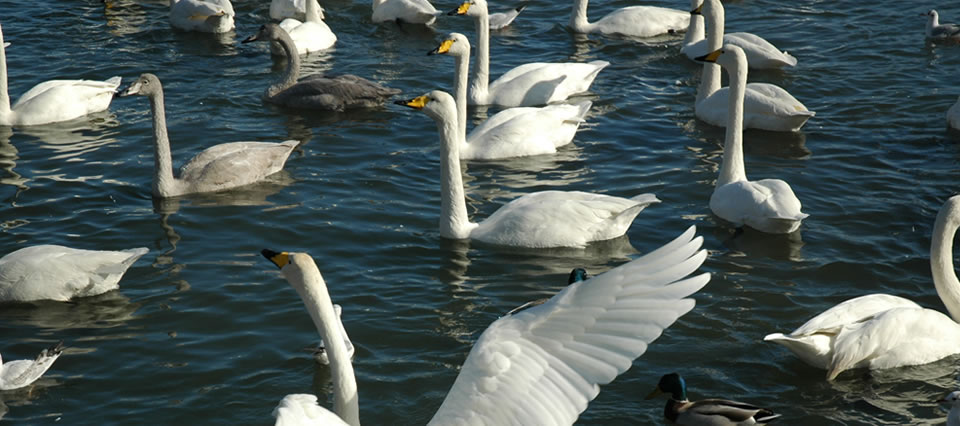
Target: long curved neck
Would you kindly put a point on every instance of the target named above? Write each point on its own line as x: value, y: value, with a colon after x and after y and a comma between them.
x: 941, y: 258
x: 578, y: 17
x: 293, y: 65
x: 313, y: 11
x: 481, y: 70
x: 695, y: 31
x: 163, y: 180
x: 461, y: 69
x: 710, y: 79
x: 732, y: 169
x: 454, y: 222
x: 4, y: 94
x: 315, y: 297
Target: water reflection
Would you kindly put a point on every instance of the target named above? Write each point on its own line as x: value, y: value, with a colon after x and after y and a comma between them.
x: 8, y: 160
x: 786, y: 145
x: 124, y: 17
x: 74, y: 138
x: 513, y: 177
x: 760, y: 244
x: 107, y: 310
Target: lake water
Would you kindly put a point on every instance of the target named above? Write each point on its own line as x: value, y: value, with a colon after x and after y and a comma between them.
x: 204, y: 330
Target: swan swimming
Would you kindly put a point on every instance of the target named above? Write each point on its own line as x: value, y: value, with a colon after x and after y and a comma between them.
x: 208, y: 16
x: 880, y: 331
x: 54, y: 100
x: 219, y: 167
x: 404, y: 12
x: 294, y: 9
x: 541, y: 365
x: 761, y: 54
x: 536, y: 220
x: 22, y: 372
x: 333, y: 93
x: 765, y: 106
x: 535, y: 83
x: 767, y: 205
x: 633, y: 21
x: 52, y: 272
x: 513, y: 132
x: 309, y: 35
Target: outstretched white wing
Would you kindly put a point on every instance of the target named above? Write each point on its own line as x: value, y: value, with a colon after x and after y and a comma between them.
x: 543, y: 365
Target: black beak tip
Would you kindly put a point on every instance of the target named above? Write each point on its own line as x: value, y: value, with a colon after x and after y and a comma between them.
x: 454, y: 12
x: 269, y: 254
x: 404, y: 103
x: 249, y: 39
x: 702, y: 58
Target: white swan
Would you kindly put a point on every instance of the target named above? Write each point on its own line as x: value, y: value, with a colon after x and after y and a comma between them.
x: 540, y: 219
x: 51, y: 272
x: 219, y: 167
x: 542, y: 365
x: 22, y: 372
x: 761, y: 54
x: 332, y: 93
x: 938, y: 31
x: 953, y: 115
x: 310, y: 35
x: 513, y: 132
x: 536, y: 83
x: 633, y: 21
x: 881, y: 331
x: 952, y: 398
x: 768, y: 205
x: 54, y: 100
x: 296, y: 9
x: 500, y: 20
x: 766, y: 106
x: 320, y: 353
x: 404, y: 12
x: 208, y: 16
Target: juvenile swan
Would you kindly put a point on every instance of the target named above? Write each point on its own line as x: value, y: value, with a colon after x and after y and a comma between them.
x: 54, y: 100
x: 542, y: 365
x: 768, y: 205
x: 317, y: 92
x: 22, y: 372
x: 879, y: 331
x: 538, y: 220
x: 51, y: 272
x: 223, y: 166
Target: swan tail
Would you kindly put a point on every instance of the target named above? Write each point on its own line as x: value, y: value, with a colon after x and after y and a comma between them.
x: 581, y: 115
x: 765, y: 416
x: 114, y: 81
x: 617, y: 224
x: 645, y: 199
x: 788, y: 59
x: 121, y: 267
x: 520, y: 8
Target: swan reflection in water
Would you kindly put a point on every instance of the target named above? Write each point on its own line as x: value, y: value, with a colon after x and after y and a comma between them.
x: 8, y: 160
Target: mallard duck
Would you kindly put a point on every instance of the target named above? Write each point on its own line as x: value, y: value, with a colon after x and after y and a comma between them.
x: 715, y: 412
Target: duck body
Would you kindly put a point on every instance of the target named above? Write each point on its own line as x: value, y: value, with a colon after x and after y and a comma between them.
x: 22, y: 372
x: 53, y: 272
x: 208, y: 16
x: 709, y: 412
x: 405, y: 11
x: 880, y: 331
x: 632, y: 21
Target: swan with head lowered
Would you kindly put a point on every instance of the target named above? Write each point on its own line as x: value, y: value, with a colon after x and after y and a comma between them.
x: 535, y: 83
x: 52, y: 272
x: 219, y: 167
x: 330, y: 93
x: 537, y: 220
x: 880, y: 331
x: 541, y: 365
x: 22, y: 372
x: 633, y: 21
x: 761, y: 54
x: 309, y: 35
x: 52, y: 101
x: 513, y: 132
x: 765, y: 106
x: 768, y: 205
x: 207, y: 16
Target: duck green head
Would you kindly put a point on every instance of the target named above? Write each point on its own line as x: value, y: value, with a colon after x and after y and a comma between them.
x: 672, y: 384
x: 577, y: 275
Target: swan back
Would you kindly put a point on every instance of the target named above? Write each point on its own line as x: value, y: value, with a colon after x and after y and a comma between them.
x: 52, y: 272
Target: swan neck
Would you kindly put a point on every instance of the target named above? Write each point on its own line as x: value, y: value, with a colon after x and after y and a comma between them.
x: 454, y: 222
x: 695, y: 31
x: 710, y: 79
x: 941, y: 260
x: 462, y: 65
x: 732, y: 169
x: 481, y: 71
x: 163, y: 180
x: 4, y: 94
x: 292, y: 71
x: 578, y: 17
x: 317, y: 301
x: 312, y: 11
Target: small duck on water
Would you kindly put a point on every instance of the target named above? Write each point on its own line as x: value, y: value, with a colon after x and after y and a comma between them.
x: 682, y: 411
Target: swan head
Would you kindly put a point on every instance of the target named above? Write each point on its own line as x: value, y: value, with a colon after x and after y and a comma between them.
x: 297, y: 268
x: 696, y: 7
x: 952, y: 398
x: 148, y: 84
x: 671, y: 384
x: 438, y: 104
x: 949, y: 214
x: 470, y: 8
x: 728, y: 56
x: 270, y: 32
x: 455, y: 44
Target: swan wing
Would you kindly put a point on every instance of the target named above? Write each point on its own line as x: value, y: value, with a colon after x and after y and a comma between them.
x: 761, y: 54
x: 296, y: 9
x: 60, y: 273
x: 300, y: 409
x: 761, y: 204
x: 851, y: 311
x: 765, y: 106
x: 62, y: 100
x: 409, y: 11
x: 20, y: 373
x: 524, y: 131
x: 308, y: 36
x: 334, y: 93
x: 643, y: 21
x: 560, y: 219
x: 208, y: 16
x: 235, y: 164
x: 540, y: 83
x: 544, y: 364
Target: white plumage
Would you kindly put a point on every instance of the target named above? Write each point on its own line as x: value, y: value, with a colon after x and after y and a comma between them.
x: 500, y: 20
x: 544, y: 364
x: 938, y: 31
x: 952, y: 398
x: 309, y: 35
x: 295, y: 9
x: 879, y: 331
x: 761, y: 54
x: 404, y: 11
x: 22, y: 372
x: 634, y: 21
x: 52, y: 272
x: 208, y: 16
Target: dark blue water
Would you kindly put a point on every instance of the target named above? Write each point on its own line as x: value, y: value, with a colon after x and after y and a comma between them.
x: 204, y: 330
